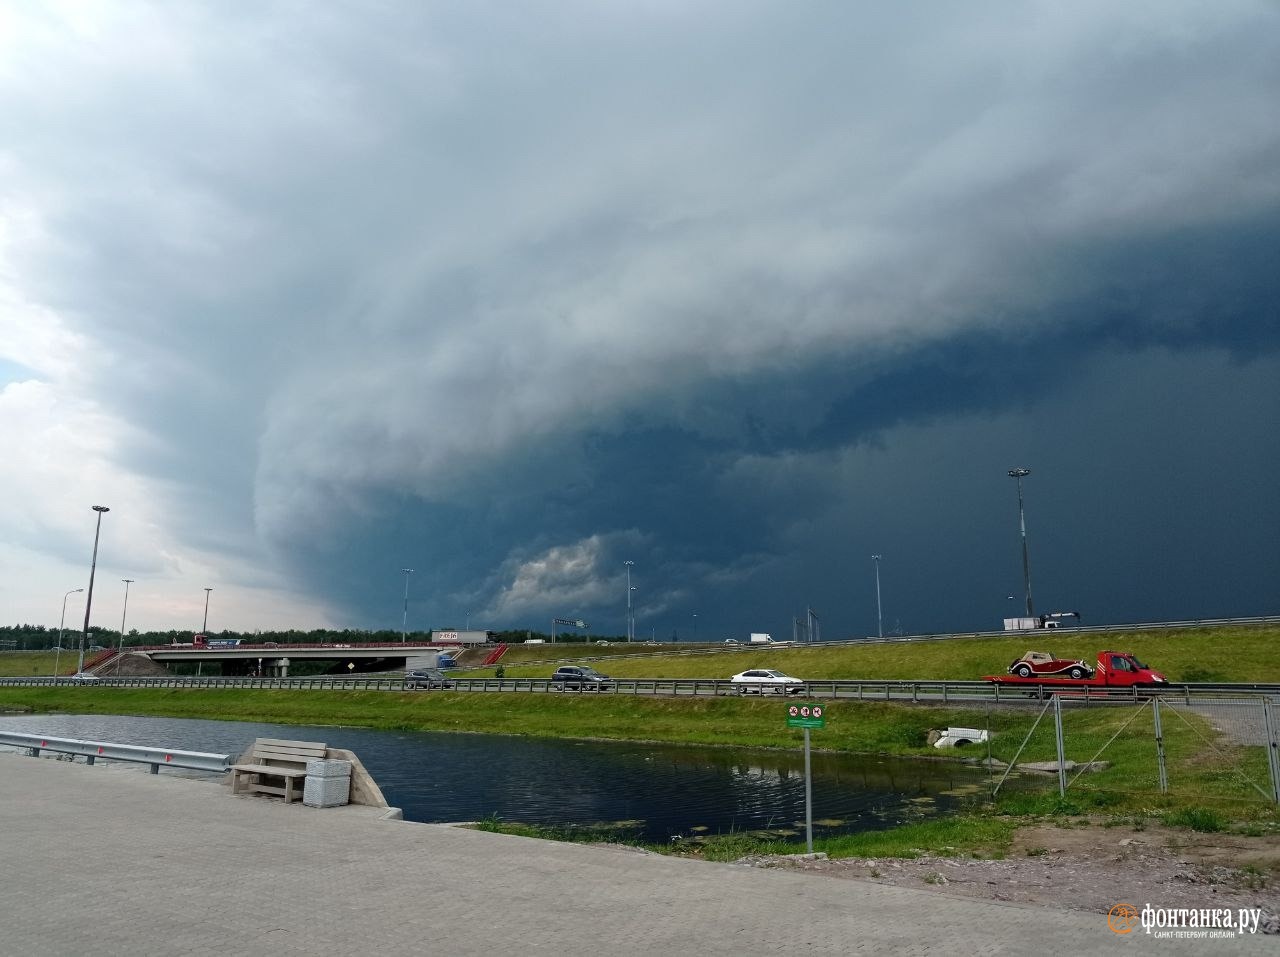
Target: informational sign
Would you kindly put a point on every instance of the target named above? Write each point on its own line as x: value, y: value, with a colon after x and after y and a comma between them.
x: 806, y: 716
x: 810, y: 714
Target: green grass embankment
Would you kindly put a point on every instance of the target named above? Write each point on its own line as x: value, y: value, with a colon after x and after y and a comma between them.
x: 957, y: 834
x: 740, y: 722
x: 1233, y: 653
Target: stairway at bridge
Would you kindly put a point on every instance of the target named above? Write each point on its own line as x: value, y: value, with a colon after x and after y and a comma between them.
x: 99, y: 659
x: 493, y: 656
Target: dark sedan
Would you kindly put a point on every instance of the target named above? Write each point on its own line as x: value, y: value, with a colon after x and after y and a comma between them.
x: 577, y: 678
x: 428, y: 678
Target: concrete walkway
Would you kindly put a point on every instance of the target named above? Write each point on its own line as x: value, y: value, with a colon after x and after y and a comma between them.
x: 109, y: 860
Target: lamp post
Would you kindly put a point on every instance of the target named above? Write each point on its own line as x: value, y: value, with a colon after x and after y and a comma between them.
x: 1019, y: 475
x: 124, y: 611
x: 630, y: 621
x: 57, y: 655
x: 695, y: 627
x: 404, y: 622
x: 88, y: 599
x: 879, y: 613
x: 204, y: 628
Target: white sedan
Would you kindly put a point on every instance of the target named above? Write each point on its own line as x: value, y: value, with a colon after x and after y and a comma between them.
x: 761, y: 680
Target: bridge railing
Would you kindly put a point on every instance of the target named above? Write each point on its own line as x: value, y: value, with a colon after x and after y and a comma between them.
x: 109, y: 751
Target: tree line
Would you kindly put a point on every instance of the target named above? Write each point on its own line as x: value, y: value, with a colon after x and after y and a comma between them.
x: 37, y: 637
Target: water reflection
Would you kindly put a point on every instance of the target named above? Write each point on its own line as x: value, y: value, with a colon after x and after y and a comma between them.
x: 657, y: 791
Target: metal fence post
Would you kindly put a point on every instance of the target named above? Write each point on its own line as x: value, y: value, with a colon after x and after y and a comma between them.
x: 1155, y: 717
x: 1273, y: 747
x: 1062, y: 757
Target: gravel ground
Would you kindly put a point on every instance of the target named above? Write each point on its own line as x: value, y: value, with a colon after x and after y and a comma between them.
x: 1089, y: 869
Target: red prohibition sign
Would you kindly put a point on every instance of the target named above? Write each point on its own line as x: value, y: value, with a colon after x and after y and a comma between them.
x: 817, y: 711
x: 793, y: 711
x: 804, y: 712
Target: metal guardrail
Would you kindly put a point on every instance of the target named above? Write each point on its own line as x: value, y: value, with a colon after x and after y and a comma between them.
x: 108, y: 751
x: 868, y: 690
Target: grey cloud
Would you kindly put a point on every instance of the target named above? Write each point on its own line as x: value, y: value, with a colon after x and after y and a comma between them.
x: 346, y: 259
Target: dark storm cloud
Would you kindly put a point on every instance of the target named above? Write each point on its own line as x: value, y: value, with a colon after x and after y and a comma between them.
x: 510, y: 296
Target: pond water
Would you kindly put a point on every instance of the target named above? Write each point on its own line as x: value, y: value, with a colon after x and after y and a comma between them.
x: 652, y: 792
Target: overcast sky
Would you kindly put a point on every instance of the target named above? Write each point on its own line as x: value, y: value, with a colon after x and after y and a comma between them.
x: 742, y: 292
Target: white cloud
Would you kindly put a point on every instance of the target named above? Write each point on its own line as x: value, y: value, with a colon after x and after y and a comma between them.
x: 563, y: 580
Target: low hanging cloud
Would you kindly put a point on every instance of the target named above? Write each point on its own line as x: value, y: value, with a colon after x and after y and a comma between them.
x: 559, y: 581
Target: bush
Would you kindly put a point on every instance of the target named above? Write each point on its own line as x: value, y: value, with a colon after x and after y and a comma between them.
x: 1198, y: 819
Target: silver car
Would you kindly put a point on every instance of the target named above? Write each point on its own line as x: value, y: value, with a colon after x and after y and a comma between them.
x: 766, y: 681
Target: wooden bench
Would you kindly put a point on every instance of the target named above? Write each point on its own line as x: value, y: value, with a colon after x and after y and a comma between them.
x: 272, y: 767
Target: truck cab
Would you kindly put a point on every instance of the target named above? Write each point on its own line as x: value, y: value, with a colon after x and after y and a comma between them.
x: 1123, y: 668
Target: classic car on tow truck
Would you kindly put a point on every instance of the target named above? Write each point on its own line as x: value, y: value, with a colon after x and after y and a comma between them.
x: 1045, y: 664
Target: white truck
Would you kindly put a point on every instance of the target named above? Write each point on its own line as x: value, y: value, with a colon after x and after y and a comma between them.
x: 761, y: 638
x: 1051, y: 620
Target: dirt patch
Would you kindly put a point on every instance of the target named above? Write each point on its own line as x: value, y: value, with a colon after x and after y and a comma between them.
x: 1090, y: 868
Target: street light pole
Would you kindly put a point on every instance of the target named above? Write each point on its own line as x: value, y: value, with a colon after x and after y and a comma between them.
x: 695, y: 627
x: 879, y: 613
x: 124, y: 611
x: 204, y: 629
x: 88, y: 599
x: 1019, y: 475
x: 404, y: 622
x: 630, y: 620
x: 57, y: 655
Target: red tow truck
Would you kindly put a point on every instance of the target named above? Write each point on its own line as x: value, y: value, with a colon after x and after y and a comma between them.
x: 1115, y: 669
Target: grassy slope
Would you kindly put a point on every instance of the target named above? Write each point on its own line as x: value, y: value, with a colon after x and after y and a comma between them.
x: 1249, y: 653
x: 752, y: 722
